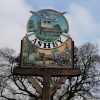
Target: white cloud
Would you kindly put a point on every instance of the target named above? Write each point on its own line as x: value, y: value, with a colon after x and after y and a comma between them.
x: 83, y: 27
x: 14, y: 15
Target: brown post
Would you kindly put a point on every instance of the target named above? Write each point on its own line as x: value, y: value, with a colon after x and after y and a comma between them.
x: 47, y: 91
x: 46, y: 87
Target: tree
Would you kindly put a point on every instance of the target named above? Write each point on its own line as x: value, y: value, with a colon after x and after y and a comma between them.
x: 54, y: 51
x: 29, y: 48
x: 84, y: 87
x: 13, y: 86
x: 65, y: 30
x: 31, y: 26
x: 58, y: 27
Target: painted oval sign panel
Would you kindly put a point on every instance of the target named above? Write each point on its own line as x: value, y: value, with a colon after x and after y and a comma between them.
x: 47, y: 29
x: 47, y: 43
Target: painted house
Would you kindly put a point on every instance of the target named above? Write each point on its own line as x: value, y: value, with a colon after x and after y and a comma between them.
x: 50, y: 31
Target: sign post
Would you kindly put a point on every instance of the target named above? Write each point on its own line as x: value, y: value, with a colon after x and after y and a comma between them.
x: 46, y: 87
x: 46, y: 73
x: 47, y: 50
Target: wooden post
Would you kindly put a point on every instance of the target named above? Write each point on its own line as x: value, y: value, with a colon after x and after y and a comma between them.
x: 47, y: 91
x: 35, y: 84
x: 58, y: 84
x: 46, y: 87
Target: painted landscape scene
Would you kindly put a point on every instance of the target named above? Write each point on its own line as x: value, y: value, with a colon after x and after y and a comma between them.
x: 47, y: 30
x: 32, y: 57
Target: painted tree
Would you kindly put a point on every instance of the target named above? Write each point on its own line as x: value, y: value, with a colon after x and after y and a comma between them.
x: 54, y: 51
x: 29, y: 48
x: 58, y: 27
x: 31, y: 25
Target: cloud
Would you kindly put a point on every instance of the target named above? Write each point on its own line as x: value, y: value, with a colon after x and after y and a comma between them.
x: 14, y: 15
x: 82, y: 26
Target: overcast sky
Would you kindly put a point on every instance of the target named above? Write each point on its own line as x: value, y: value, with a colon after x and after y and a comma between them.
x: 83, y: 17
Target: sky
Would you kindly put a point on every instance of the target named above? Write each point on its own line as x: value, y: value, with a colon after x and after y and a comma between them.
x: 83, y: 17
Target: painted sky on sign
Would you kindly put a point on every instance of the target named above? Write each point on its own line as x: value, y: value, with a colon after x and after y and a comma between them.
x: 83, y: 17
x: 61, y: 20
